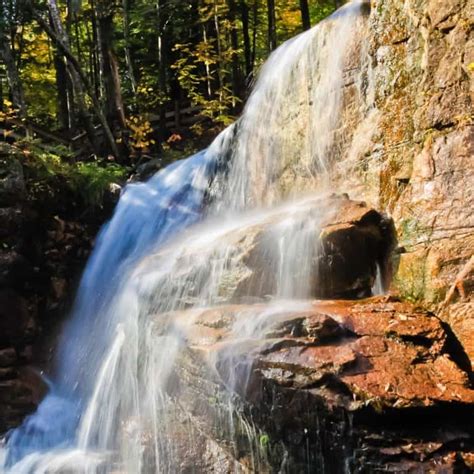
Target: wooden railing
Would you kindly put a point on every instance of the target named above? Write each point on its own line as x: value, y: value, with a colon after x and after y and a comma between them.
x: 179, y: 116
x: 174, y: 119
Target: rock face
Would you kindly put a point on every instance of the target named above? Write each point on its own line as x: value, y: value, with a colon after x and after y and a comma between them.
x: 425, y: 81
x: 406, y: 141
x: 43, y: 245
x: 358, y: 386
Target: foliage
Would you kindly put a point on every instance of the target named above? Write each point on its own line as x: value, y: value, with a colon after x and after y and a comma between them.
x: 38, y: 74
x: 141, y: 131
x: 88, y: 180
x: 7, y: 115
x: 145, y: 58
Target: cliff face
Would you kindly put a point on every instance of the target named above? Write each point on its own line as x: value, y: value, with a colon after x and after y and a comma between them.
x: 423, y: 148
x: 405, y: 143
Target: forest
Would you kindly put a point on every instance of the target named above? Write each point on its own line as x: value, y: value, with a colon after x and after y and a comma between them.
x: 130, y: 79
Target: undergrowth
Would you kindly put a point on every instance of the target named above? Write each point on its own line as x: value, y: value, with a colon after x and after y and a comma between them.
x: 88, y: 179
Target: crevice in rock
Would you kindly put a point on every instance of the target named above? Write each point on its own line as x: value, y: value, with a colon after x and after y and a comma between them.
x: 456, y: 351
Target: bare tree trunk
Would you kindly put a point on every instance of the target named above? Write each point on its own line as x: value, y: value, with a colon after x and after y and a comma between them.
x: 254, y: 35
x: 114, y: 109
x: 272, y: 36
x: 163, y: 63
x: 97, y: 83
x: 244, y: 15
x: 126, y: 34
x: 305, y: 18
x: 62, y: 79
x: 234, y: 41
x: 8, y: 58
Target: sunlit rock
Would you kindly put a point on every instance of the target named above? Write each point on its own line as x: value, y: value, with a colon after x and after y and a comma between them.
x: 327, y: 378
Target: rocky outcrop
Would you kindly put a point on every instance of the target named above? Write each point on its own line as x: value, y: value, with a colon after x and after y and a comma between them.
x: 348, y: 241
x: 360, y: 386
x: 45, y: 237
x: 424, y: 83
x: 316, y: 247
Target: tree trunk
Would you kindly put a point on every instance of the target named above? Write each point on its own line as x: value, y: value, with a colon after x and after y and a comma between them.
x: 272, y: 36
x: 62, y: 79
x: 126, y: 37
x: 234, y: 42
x: 79, y: 95
x: 114, y: 110
x: 8, y: 58
x: 97, y: 82
x: 305, y: 18
x: 244, y: 15
x: 254, y: 34
x: 163, y: 63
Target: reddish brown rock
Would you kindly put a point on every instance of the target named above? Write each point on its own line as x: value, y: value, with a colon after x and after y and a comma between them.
x: 390, y: 367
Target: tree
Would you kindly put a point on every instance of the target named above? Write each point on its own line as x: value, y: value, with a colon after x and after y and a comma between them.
x: 8, y: 57
x: 79, y: 80
x: 244, y: 16
x: 271, y: 18
x: 234, y: 42
x: 114, y: 110
x: 305, y: 17
x: 82, y: 66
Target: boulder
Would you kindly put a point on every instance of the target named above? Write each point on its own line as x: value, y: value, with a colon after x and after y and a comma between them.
x: 326, y: 247
x: 349, y: 241
x: 8, y: 357
x: 334, y: 385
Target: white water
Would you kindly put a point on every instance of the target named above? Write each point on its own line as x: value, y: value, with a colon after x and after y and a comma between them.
x: 109, y: 409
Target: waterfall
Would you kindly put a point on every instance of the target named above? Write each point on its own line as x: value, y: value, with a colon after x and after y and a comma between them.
x: 181, y: 241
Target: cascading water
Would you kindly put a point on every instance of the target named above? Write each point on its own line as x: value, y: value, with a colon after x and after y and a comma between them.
x: 110, y: 408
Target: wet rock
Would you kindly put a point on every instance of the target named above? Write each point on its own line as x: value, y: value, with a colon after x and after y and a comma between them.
x: 12, y: 220
x: 46, y: 235
x: 320, y: 247
x: 353, y: 239
x: 14, y: 268
x: 339, y: 383
x: 358, y: 238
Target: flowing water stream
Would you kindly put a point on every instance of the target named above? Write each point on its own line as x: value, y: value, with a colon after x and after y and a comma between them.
x: 178, y: 242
